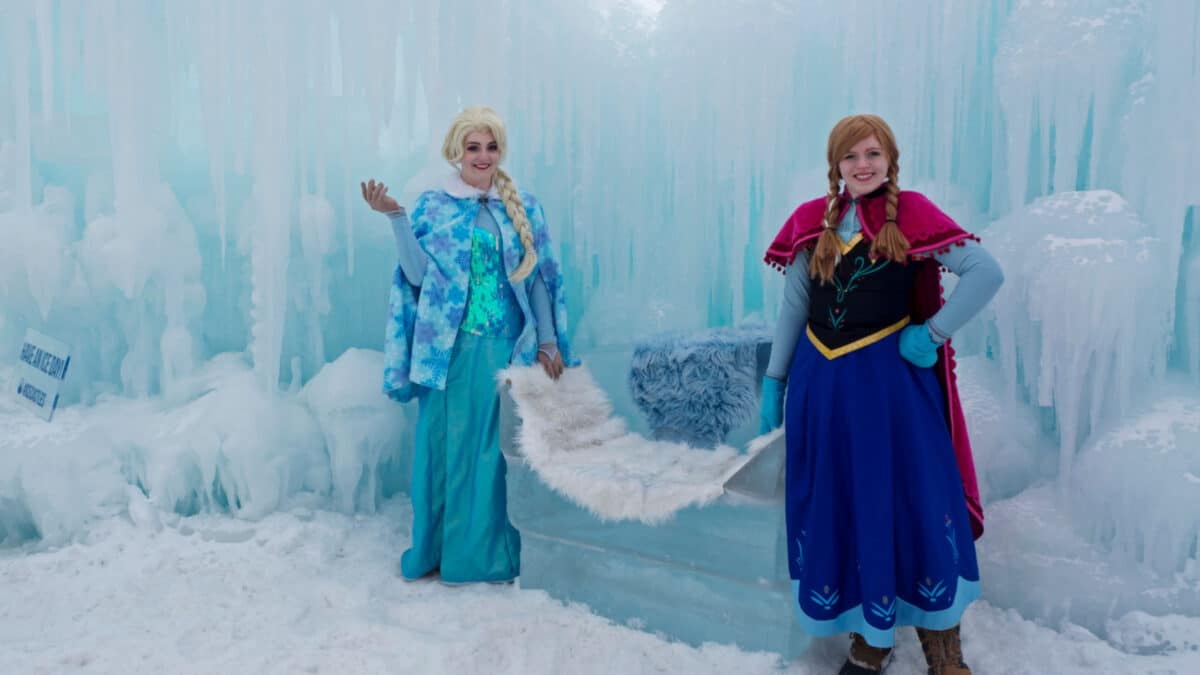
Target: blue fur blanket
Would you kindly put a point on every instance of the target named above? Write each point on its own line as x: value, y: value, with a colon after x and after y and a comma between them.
x: 696, y: 387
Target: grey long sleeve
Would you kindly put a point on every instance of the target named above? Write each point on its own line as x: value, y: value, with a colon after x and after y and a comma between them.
x: 413, y: 258
x: 979, y: 277
x: 793, y: 317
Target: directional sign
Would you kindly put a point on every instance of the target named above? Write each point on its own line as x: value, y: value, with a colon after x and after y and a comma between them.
x: 40, y: 370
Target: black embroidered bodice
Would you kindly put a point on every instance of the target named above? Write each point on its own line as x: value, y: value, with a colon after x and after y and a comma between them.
x: 866, y: 301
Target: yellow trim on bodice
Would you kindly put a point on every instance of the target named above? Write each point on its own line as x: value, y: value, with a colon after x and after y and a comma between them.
x: 867, y: 341
x: 848, y: 246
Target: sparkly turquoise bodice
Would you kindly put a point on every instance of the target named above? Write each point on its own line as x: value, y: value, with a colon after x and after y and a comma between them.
x: 492, y: 308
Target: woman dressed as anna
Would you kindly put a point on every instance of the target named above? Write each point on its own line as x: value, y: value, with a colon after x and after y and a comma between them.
x: 476, y: 290
x: 882, y: 503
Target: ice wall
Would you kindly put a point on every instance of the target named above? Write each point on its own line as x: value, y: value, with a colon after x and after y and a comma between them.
x: 1139, y: 486
x: 630, y: 119
x: 1083, y: 320
x: 179, y: 180
x: 218, y: 442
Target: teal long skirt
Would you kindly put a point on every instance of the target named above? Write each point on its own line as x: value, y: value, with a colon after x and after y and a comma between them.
x: 459, y: 501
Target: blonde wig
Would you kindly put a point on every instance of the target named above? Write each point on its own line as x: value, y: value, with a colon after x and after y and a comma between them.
x: 484, y: 119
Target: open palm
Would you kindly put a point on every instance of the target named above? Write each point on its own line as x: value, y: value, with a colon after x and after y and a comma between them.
x: 376, y: 195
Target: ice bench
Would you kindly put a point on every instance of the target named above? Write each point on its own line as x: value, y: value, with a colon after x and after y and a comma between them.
x: 713, y: 571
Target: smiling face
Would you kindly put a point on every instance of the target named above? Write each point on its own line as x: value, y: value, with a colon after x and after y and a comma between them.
x: 864, y: 166
x: 480, y: 159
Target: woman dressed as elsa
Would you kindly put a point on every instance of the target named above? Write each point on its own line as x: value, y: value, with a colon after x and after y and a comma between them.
x: 476, y: 290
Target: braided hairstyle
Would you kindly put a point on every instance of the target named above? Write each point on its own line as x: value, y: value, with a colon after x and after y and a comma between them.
x: 485, y: 120
x: 516, y: 212
x: 890, y: 242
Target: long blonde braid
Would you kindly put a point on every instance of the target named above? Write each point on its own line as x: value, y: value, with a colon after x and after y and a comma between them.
x: 516, y: 212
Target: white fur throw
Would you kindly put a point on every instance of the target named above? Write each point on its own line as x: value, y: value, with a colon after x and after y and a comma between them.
x: 570, y: 439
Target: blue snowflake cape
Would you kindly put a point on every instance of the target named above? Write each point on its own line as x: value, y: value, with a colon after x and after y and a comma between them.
x: 423, y: 322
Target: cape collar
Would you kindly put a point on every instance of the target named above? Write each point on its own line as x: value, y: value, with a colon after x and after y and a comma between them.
x: 458, y: 188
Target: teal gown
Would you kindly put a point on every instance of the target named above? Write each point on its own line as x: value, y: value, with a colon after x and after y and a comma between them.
x: 460, y: 514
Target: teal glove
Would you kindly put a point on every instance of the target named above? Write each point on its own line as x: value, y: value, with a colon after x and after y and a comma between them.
x: 917, y: 347
x: 770, y: 416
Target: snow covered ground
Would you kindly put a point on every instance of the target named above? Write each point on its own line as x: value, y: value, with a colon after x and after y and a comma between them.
x: 289, y: 563
x: 312, y: 591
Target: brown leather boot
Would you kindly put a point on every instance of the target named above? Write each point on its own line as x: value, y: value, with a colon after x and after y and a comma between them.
x: 943, y: 651
x: 863, y: 658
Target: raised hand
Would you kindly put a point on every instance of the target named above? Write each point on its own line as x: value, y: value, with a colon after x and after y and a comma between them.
x: 376, y: 195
